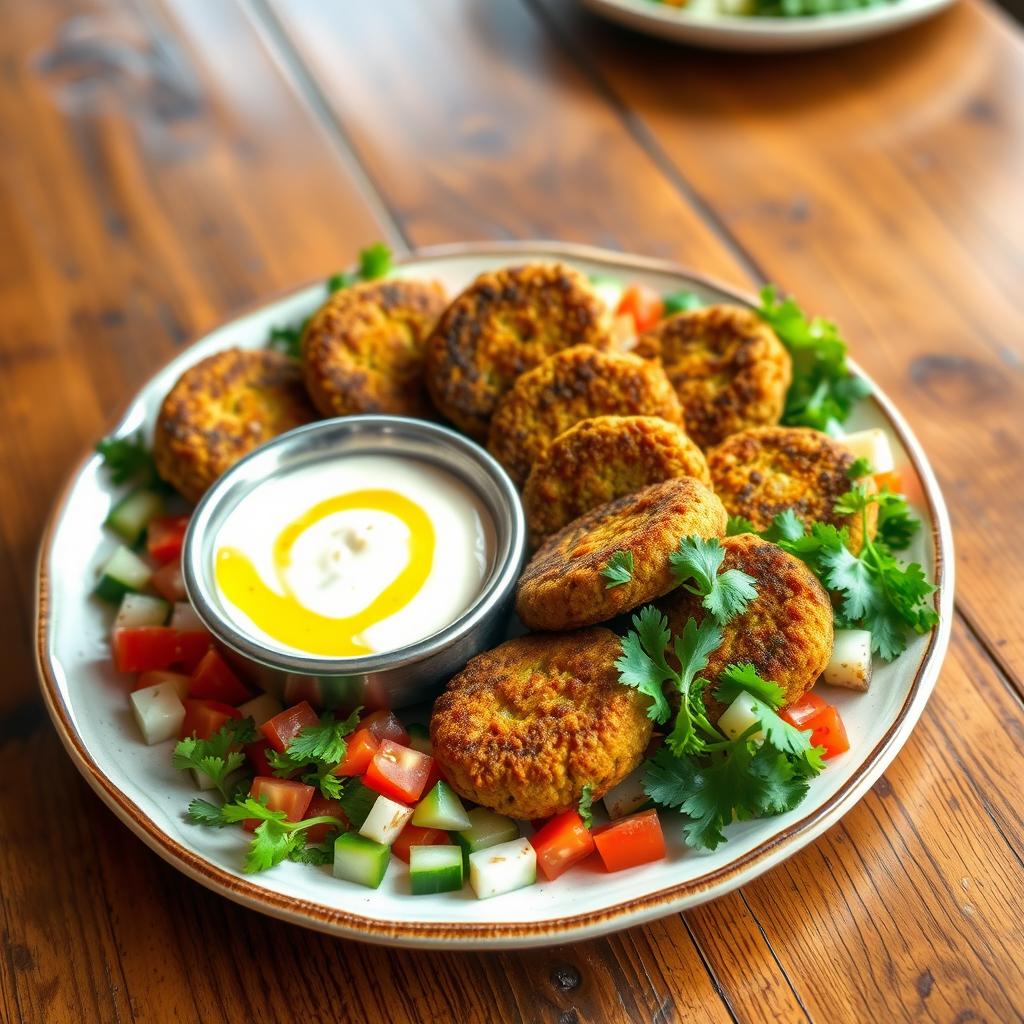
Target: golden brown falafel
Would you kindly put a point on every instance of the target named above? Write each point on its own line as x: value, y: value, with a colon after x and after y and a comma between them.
x: 765, y: 470
x: 562, y: 586
x: 570, y: 386
x: 505, y: 323
x: 221, y: 409
x: 362, y: 351
x: 786, y: 632
x: 601, y: 459
x: 727, y: 365
x: 524, y: 727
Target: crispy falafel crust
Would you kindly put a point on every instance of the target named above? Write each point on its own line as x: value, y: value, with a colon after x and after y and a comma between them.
x: 573, y: 385
x: 221, y: 409
x: 601, y: 459
x: 562, y: 586
x: 786, y: 631
x: 765, y: 470
x: 505, y: 323
x: 524, y: 727
x: 727, y: 365
x: 362, y: 351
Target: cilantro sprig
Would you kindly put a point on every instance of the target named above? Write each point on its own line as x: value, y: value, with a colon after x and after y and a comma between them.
x: 219, y: 756
x: 317, y: 750
x: 375, y: 261
x: 129, y: 460
x: 823, y: 391
x: 723, y: 594
x: 618, y: 570
x: 275, y: 838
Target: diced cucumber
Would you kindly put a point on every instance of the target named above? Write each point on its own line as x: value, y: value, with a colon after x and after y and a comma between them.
x: 158, y: 711
x: 434, y: 869
x: 123, y: 572
x: 502, y: 868
x: 872, y: 445
x: 850, y: 664
x: 141, y: 610
x: 360, y: 860
x: 486, y: 829
x: 442, y: 808
x: 608, y: 289
x: 261, y: 709
x: 628, y: 796
x: 682, y: 302
x: 740, y: 715
x: 131, y: 515
x: 419, y: 738
x: 386, y: 819
x: 185, y: 618
x: 358, y: 801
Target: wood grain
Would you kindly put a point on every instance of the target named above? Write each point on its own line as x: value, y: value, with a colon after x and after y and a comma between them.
x: 173, y: 162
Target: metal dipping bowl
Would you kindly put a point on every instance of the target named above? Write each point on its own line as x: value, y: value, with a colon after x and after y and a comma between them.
x: 408, y: 675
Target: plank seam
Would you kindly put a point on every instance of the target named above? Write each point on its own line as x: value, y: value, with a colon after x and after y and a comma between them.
x: 716, y: 983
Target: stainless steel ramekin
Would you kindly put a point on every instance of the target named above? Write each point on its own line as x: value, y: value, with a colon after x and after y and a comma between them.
x: 397, y: 678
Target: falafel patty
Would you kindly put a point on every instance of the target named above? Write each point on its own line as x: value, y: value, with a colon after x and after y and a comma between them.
x: 765, y: 470
x: 727, y: 365
x: 786, y: 632
x: 562, y: 586
x: 221, y: 409
x: 570, y: 386
x: 362, y: 351
x: 505, y: 323
x: 524, y: 727
x: 601, y: 459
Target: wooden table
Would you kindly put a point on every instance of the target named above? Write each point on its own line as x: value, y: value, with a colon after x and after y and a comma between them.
x: 163, y: 164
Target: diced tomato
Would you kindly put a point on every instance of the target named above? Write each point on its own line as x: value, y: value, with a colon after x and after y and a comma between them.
x: 385, y: 726
x: 643, y: 304
x: 155, y: 677
x: 889, y: 480
x: 204, y: 717
x: 318, y: 807
x: 165, y: 537
x: 829, y: 732
x: 562, y: 842
x: 192, y: 647
x: 280, y: 795
x: 802, y: 711
x: 213, y: 679
x: 397, y: 772
x: 257, y: 755
x: 284, y: 727
x: 413, y: 835
x: 636, y: 839
x: 144, y: 648
x: 359, y: 750
x: 167, y: 582
x: 435, y: 776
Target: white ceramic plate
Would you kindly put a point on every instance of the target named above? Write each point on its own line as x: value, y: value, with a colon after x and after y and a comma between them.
x: 87, y: 699
x: 764, y: 35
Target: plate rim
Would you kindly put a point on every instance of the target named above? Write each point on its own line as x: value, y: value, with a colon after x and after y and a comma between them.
x: 498, y: 934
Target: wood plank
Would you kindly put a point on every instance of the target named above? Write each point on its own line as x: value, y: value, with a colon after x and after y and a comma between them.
x: 883, y: 189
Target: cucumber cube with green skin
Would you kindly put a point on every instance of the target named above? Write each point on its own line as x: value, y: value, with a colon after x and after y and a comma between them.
x: 131, y: 515
x: 435, y: 869
x: 386, y: 819
x: 502, y: 868
x: 122, y: 573
x: 360, y: 860
x: 486, y: 829
x: 442, y: 808
x: 419, y: 738
x: 141, y: 610
x: 682, y: 302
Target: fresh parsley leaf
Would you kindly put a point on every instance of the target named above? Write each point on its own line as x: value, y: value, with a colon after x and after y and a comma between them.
x: 618, y: 570
x: 288, y: 340
x: 219, y: 756
x: 860, y: 467
x: 315, y: 855
x: 343, y: 279
x: 736, y: 679
x: 642, y: 664
x: 682, y: 302
x: 128, y: 459
x: 356, y: 802
x: 374, y: 261
x: 692, y: 649
x: 586, y: 805
x: 725, y: 595
x: 202, y: 812
x: 739, y: 524
x: 823, y: 391
x: 896, y: 523
x: 321, y: 748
